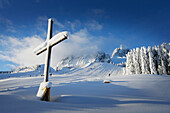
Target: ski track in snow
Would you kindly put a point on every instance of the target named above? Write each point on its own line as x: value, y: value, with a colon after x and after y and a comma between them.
x: 82, y: 90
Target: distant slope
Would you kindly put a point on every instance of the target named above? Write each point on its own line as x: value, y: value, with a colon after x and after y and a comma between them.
x: 39, y: 68
x: 31, y: 71
x: 80, y: 61
x: 97, y: 69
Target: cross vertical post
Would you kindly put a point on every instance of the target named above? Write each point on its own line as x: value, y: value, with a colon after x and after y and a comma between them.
x: 48, y: 53
x: 45, y: 86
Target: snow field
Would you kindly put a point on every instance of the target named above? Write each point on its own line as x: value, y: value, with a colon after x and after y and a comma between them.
x: 82, y: 90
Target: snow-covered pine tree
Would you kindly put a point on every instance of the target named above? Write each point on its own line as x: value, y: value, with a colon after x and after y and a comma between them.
x: 147, y: 61
x: 144, y: 61
x: 155, y: 57
x: 132, y: 67
x: 151, y: 61
x: 169, y: 63
x: 159, y: 61
x: 164, y: 71
x: 136, y: 60
x: 165, y: 49
x: 129, y: 63
x: 164, y: 60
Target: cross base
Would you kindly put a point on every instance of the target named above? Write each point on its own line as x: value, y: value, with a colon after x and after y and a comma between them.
x: 44, y: 91
x: 46, y: 96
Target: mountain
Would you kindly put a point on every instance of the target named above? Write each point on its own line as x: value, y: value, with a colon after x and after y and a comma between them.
x: 27, y: 69
x: 38, y: 68
x: 120, y: 52
x: 119, y: 56
x: 80, y: 61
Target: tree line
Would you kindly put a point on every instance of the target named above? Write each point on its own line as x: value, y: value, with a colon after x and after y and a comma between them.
x: 151, y: 60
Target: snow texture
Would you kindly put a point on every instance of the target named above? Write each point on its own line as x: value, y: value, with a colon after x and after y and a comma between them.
x: 83, y: 91
x: 41, y: 90
x: 30, y: 71
x: 81, y: 61
x: 119, y: 56
x: 120, y: 52
x: 78, y: 86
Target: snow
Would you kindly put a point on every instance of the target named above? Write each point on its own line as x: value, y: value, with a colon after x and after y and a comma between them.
x: 41, y: 90
x: 31, y: 71
x: 82, y: 90
x: 83, y: 60
x: 106, y: 81
x: 151, y: 61
x: 54, y: 40
x: 120, y: 52
x: 119, y: 56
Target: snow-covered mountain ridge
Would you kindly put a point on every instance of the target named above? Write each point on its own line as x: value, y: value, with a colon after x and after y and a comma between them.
x: 80, y: 61
x: 118, y: 58
x: 27, y: 69
x: 38, y: 68
x: 120, y: 52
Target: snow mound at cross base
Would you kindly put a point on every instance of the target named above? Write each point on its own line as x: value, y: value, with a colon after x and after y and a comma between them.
x: 41, y: 90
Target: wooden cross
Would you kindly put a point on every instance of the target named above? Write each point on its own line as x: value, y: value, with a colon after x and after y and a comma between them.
x: 47, y: 45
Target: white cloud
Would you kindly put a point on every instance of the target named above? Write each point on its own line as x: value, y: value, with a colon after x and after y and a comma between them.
x: 42, y: 23
x: 94, y: 25
x: 8, y: 24
x: 78, y: 43
x: 12, y: 66
x: 43, y: 20
x: 20, y: 51
x: 3, y: 42
x: 59, y: 24
x: 73, y: 25
x: 11, y: 29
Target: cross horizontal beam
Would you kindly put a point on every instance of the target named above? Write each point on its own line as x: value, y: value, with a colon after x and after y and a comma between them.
x: 53, y: 41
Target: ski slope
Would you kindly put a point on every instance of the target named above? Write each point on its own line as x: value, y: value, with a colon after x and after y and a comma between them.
x: 82, y: 90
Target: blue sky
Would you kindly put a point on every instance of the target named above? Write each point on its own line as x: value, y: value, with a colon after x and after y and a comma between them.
x: 102, y: 24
